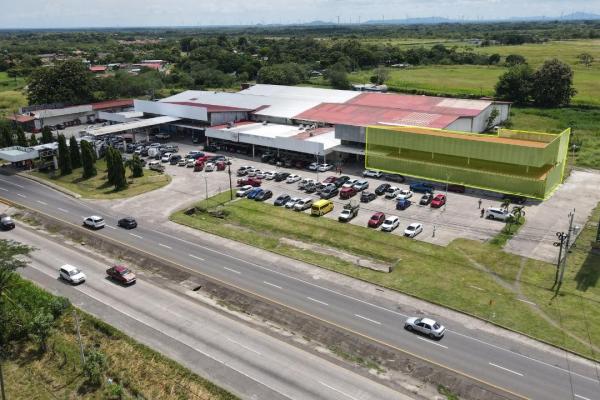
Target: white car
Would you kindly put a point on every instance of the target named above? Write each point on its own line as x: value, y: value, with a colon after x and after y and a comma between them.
x: 254, y: 172
x: 303, y: 204
x: 293, y: 178
x: 392, y: 192
x: 305, y: 182
x: 292, y: 202
x: 350, y: 183
x: 404, y: 194
x: 426, y: 326
x: 313, y: 166
x: 270, y: 175
x: 243, y: 191
x: 324, y: 167
x: 372, y: 174
x: 261, y: 175
x: 94, y: 222
x: 166, y: 157
x: 413, y: 230
x: 209, y: 167
x: 361, y: 185
x: 497, y: 213
x: 390, y: 223
x: 71, y: 274
x: 190, y: 163
x: 182, y: 162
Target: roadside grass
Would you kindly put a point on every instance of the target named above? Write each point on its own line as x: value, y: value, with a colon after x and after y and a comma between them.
x: 96, y: 188
x: 10, y: 101
x: 136, y: 370
x: 463, y: 275
x: 509, y: 230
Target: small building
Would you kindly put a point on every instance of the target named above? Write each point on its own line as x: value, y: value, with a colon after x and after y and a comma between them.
x: 98, y: 69
x: 370, y: 87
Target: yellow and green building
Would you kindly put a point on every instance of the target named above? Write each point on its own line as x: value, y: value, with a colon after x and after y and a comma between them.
x: 529, y: 164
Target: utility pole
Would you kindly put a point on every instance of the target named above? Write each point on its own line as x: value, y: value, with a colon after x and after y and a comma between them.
x: 79, y: 337
x: 561, y: 237
x: 230, y: 187
x: 567, y: 244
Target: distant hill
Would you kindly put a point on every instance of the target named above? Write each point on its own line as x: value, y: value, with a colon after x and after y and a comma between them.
x: 580, y: 16
x: 411, y: 21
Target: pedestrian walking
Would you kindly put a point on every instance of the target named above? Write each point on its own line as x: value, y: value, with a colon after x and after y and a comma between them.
x: 433, y: 231
x: 479, y: 203
x: 482, y: 212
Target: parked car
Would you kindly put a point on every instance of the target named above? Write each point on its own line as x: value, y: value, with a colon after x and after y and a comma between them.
x: 438, y: 201
x: 376, y: 220
x: 243, y: 191
x: 182, y: 162
x: 174, y: 160
x: 94, y: 222
x: 403, y: 204
x: 413, y: 230
x: 321, y: 207
x: 281, y: 176
x: 366, y: 197
x: 341, y: 180
x: 121, y: 274
x: 324, y: 167
x: 251, y: 195
x: 166, y: 157
x: 421, y: 187
x: 264, y: 195
x: 361, y: 185
x: 282, y: 199
x: 254, y: 171
x: 404, y: 194
x: 426, y: 326
x: 243, y: 170
x: 392, y: 192
x: 499, y: 214
x: 347, y: 192
x: 249, y: 181
x: 303, y: 204
x: 210, y: 167
x: 515, y: 199
x: 127, y: 223
x: 426, y: 199
x: 372, y: 174
x: 6, y: 222
x: 259, y: 174
x: 382, y: 189
x: 456, y: 188
x: 71, y: 274
x: 349, y: 212
x: 330, y: 179
x: 305, y: 182
x: 190, y: 163
x: 393, y: 178
x: 349, y: 183
x: 293, y: 178
x: 313, y: 166
x: 156, y: 166
x: 310, y: 188
x: 198, y: 165
x: 292, y: 202
x: 329, y: 192
x: 270, y: 175
x: 390, y: 223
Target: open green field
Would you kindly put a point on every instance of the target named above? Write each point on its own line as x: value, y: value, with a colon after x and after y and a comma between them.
x: 11, y: 95
x: 96, y: 188
x: 463, y: 275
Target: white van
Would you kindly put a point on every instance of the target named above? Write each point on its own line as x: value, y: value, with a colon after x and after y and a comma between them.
x: 497, y: 213
x: 156, y: 166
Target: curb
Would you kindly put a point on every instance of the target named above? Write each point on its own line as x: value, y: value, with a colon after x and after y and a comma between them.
x: 49, y: 184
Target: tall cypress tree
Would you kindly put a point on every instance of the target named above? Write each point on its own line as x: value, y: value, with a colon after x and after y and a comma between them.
x: 119, y: 171
x: 88, y: 159
x: 75, y: 154
x: 110, y: 168
x: 47, y: 136
x: 33, y: 140
x: 64, y: 157
x: 6, y: 136
x: 21, y: 138
x: 136, y: 167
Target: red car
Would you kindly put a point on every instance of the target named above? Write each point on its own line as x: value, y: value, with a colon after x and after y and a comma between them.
x: 252, y: 181
x: 330, y: 179
x: 198, y: 165
x: 438, y: 201
x: 376, y: 220
x: 121, y: 274
x: 221, y: 165
x: 347, y: 192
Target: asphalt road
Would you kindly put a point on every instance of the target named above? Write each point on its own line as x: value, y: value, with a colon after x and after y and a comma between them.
x: 249, y: 363
x: 513, y: 366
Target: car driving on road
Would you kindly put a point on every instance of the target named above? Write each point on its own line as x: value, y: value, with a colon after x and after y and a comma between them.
x: 127, y: 223
x: 426, y: 326
x: 71, y: 274
x: 6, y: 222
x: 121, y: 274
x: 94, y: 222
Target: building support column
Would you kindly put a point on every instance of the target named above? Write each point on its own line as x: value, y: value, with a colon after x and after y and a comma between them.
x: 253, y: 151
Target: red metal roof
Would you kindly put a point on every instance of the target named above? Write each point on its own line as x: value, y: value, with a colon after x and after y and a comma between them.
x: 428, y: 104
x: 103, y: 105
x: 20, y: 118
x: 209, y: 107
x: 156, y: 66
x: 361, y: 115
x: 98, y: 68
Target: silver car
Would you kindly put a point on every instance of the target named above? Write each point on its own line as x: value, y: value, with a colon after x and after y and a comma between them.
x: 426, y: 326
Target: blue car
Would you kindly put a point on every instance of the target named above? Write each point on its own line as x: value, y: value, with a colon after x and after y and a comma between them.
x: 253, y: 193
x: 403, y: 204
x: 421, y: 187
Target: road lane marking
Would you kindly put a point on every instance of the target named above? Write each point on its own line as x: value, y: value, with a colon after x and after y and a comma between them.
x: 317, y: 301
x: 337, y: 390
x: 6, y: 190
x: 196, y: 257
x: 232, y: 270
x: 431, y: 342
x: 63, y: 210
x: 134, y: 235
x: 506, y: 369
x: 12, y: 183
x: 21, y: 195
x: 165, y: 246
x: 245, y: 347
x: 41, y: 202
x: 272, y: 284
x: 368, y: 319
x: 580, y: 397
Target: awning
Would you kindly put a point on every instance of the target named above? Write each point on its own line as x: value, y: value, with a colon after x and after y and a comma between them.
x: 349, y: 149
x: 129, y: 126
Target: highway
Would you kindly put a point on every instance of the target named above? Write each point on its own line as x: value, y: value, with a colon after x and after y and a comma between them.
x: 524, y: 370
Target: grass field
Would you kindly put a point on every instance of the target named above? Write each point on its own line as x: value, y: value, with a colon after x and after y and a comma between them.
x: 95, y: 187
x: 462, y: 275
x: 11, y: 95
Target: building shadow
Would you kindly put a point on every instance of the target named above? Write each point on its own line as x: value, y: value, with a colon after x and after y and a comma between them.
x: 589, y: 273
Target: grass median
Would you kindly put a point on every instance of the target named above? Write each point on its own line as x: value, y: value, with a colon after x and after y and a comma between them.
x: 469, y: 276
x: 96, y: 187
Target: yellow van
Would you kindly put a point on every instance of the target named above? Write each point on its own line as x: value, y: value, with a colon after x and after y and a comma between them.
x: 321, y: 207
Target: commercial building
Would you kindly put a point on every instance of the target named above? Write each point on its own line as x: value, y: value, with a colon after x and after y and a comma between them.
x: 529, y: 164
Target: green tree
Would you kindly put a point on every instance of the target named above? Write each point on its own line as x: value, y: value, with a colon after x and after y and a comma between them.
x: 282, y: 74
x: 75, y: 154
x: 515, y: 84
x: 40, y: 328
x: 88, y: 159
x: 110, y: 170
x: 11, y: 259
x: 47, y: 136
x: 94, y: 367
x: 33, y: 140
x: 120, y: 181
x: 586, y: 59
x: 338, y: 77
x: 21, y: 138
x: 494, y: 59
x: 67, y: 82
x: 514, y: 59
x: 135, y: 165
x: 6, y: 135
x: 381, y: 74
x: 64, y: 157
x: 553, y: 84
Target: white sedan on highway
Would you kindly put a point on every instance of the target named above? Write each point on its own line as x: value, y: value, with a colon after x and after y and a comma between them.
x: 426, y: 326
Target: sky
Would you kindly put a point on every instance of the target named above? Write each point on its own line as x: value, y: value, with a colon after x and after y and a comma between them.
x: 128, y: 13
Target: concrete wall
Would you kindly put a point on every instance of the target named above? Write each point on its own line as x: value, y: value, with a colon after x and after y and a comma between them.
x: 172, y: 110
x: 350, y: 133
x: 221, y: 118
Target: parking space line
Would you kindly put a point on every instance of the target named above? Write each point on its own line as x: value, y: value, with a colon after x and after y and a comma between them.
x: 272, y: 284
x: 317, y: 301
x: 21, y: 195
x: 368, y: 319
x: 6, y: 190
x: 245, y: 347
x: 65, y: 211
x: 110, y: 226
x: 337, y: 390
x: 431, y: 342
x: 196, y: 257
x: 43, y: 203
x: 165, y: 246
x: 506, y: 369
x: 232, y: 270
x: 580, y: 397
x: 134, y: 235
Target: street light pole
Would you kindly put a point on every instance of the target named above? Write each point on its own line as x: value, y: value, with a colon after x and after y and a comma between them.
x: 230, y: 187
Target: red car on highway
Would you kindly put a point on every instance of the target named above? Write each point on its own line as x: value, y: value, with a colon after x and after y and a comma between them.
x: 438, y: 201
x: 252, y: 181
x: 121, y: 274
x: 376, y: 220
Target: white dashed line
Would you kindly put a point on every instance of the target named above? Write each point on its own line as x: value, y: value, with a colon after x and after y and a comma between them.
x: 65, y: 211
x: 367, y: 319
x: 21, y: 195
x: 110, y: 226
x: 134, y: 235
x: 506, y: 369
x: 165, y: 246
x: 6, y: 190
x: 317, y: 301
x: 580, y: 397
x: 12, y: 183
x: 272, y: 284
x: 41, y: 202
x: 196, y: 257
x: 245, y: 347
x: 232, y: 270
x: 431, y: 342
x: 337, y: 390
